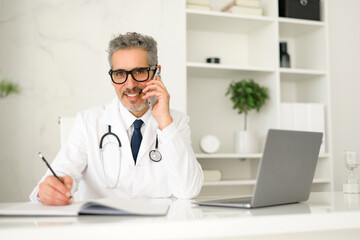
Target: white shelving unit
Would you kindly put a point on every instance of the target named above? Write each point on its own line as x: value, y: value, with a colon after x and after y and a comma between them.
x: 248, y: 47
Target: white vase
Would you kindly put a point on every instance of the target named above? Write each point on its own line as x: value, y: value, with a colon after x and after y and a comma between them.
x: 246, y: 142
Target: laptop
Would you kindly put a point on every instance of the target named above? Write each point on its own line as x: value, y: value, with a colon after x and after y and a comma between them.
x: 285, y: 172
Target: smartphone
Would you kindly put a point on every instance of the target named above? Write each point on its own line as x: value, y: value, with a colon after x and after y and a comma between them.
x: 152, y: 100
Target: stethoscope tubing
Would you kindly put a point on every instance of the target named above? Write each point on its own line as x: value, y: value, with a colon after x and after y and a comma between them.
x: 154, y: 155
x: 151, y: 156
x: 106, y: 134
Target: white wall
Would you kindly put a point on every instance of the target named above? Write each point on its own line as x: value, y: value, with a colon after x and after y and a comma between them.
x: 56, y: 50
x: 344, y: 36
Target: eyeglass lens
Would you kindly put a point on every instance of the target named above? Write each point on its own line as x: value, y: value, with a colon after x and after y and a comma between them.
x: 138, y: 74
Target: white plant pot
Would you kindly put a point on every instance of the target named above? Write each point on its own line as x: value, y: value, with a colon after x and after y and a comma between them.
x: 246, y: 142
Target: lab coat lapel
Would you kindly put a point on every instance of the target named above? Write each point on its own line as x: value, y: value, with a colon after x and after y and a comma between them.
x: 111, y: 116
x: 149, y: 139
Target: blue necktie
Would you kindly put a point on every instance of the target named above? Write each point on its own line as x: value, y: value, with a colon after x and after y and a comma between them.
x: 136, y: 138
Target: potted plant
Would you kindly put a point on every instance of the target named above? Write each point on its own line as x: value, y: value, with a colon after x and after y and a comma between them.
x: 246, y: 95
x: 7, y: 87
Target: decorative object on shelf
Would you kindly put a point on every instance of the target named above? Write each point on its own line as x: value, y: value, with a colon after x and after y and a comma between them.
x: 247, y: 7
x: 284, y: 56
x: 209, y: 144
x: 303, y: 9
x: 7, y: 87
x: 198, y: 4
x: 212, y: 175
x: 247, y: 95
x: 246, y: 142
x: 351, y: 162
x: 213, y: 60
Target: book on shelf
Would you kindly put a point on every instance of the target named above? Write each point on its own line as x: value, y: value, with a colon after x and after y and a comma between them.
x: 198, y: 2
x: 198, y: 7
x: 248, y: 3
x: 246, y: 10
x: 104, y: 206
x: 248, y: 7
x: 304, y: 117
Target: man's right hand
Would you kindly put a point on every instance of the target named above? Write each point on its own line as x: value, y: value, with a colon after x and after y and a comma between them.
x: 54, y: 192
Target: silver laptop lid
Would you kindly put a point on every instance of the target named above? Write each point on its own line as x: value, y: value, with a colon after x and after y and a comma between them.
x: 287, y: 167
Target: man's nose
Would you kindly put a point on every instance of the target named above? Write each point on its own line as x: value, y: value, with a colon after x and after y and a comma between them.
x: 131, y: 83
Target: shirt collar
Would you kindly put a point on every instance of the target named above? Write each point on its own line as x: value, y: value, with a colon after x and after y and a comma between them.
x: 129, y: 119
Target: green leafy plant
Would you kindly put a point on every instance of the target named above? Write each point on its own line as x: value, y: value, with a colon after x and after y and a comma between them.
x: 7, y: 87
x: 247, y: 95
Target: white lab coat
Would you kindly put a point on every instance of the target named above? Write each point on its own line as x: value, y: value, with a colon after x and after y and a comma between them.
x: 178, y: 174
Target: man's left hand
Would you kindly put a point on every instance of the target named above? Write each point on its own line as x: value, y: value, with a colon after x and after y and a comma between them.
x: 161, y: 109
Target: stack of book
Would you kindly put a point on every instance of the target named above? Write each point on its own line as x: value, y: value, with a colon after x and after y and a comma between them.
x: 198, y: 4
x: 304, y: 117
x: 250, y: 7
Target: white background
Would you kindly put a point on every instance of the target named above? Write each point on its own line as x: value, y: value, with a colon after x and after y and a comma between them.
x: 56, y: 50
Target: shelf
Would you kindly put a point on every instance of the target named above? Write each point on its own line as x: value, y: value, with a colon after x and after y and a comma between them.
x: 298, y: 71
x: 225, y: 22
x: 249, y: 182
x: 239, y: 156
x: 207, y: 66
x: 296, y: 74
x: 290, y: 28
x: 297, y: 21
x: 223, y: 70
x: 284, y: 71
x: 228, y: 15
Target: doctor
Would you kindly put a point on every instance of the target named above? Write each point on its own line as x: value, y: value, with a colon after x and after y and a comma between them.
x: 144, y: 152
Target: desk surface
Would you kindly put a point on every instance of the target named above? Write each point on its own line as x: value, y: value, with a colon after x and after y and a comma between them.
x: 325, y: 215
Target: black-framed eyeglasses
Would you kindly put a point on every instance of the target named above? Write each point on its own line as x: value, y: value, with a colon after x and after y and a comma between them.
x: 141, y: 74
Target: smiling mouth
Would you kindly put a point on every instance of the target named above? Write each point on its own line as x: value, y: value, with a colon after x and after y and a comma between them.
x: 133, y: 94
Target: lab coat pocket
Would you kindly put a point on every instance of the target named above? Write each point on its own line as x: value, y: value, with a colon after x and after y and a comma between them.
x: 151, y: 178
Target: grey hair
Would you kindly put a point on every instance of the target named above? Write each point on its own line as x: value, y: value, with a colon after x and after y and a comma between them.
x: 134, y: 40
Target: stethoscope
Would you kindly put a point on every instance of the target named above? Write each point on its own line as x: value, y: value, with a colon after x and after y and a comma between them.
x: 154, y: 154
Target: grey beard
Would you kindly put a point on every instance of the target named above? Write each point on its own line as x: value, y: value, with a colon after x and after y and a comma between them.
x: 139, y: 108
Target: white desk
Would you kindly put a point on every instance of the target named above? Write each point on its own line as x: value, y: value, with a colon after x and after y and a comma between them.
x: 324, y: 216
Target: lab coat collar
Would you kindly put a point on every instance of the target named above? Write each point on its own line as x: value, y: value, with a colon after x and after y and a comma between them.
x: 149, y: 135
x: 128, y: 118
x: 112, y: 116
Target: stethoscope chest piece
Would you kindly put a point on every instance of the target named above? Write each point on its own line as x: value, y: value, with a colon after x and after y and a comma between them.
x: 155, y: 155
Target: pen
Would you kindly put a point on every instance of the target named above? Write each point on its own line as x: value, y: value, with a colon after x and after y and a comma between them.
x: 48, y: 165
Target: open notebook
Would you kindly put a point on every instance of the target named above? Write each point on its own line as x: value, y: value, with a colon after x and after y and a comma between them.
x: 104, y: 206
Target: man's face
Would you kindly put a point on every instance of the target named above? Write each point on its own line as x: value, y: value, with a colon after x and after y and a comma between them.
x: 130, y: 92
